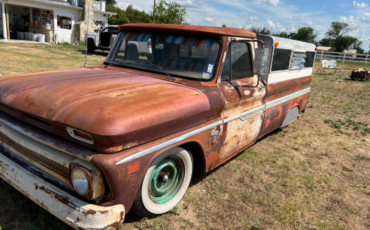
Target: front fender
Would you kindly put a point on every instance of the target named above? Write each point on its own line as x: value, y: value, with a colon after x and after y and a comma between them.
x: 92, y: 36
x: 125, y: 179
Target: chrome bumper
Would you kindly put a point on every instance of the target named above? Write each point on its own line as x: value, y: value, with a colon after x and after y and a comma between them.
x: 69, y: 209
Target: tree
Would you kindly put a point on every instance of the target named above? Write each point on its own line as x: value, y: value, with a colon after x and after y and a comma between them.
x: 342, y: 43
x: 109, y: 2
x: 282, y: 35
x: 337, y: 38
x: 338, y: 29
x: 224, y: 25
x: 326, y: 42
x: 357, y: 46
x: 304, y: 34
x: 137, y: 16
x: 169, y: 13
x: 118, y: 19
x: 258, y: 30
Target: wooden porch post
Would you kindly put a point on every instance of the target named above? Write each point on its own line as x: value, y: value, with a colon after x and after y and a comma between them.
x: 7, y: 20
x: 3, y: 17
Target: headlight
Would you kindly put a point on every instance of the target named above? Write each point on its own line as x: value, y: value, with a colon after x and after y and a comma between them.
x: 79, y: 181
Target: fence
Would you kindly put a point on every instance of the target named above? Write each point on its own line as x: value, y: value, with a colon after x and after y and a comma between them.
x: 361, y: 58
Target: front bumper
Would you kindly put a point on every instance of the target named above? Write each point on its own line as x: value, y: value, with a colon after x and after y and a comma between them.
x: 69, y: 209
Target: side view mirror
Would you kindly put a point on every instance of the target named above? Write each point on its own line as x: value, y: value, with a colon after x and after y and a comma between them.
x: 260, y: 62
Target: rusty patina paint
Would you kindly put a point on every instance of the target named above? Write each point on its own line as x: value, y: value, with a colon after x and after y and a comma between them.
x: 275, y: 116
x: 187, y: 29
x: 284, y: 88
x: 76, y: 98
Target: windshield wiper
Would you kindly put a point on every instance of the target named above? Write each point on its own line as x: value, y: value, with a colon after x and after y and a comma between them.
x: 161, y: 69
x: 139, y: 62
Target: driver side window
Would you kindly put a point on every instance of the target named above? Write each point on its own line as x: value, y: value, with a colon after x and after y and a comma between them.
x: 108, y: 30
x: 238, y: 63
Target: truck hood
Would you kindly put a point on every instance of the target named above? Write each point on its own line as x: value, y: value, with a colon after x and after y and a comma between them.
x: 120, y: 109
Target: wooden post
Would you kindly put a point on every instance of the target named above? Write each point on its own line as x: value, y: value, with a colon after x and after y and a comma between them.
x: 344, y: 58
x: 7, y: 20
x: 3, y: 16
x: 322, y: 53
x: 31, y: 16
x: 366, y: 59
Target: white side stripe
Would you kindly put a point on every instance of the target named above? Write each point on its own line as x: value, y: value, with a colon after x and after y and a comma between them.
x: 168, y: 143
x: 287, y: 98
x: 242, y: 116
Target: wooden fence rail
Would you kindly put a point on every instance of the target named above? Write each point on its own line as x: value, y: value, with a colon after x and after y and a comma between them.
x: 361, y: 58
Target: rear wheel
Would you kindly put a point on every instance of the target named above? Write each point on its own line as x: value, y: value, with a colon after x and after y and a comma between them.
x: 165, y: 183
x: 91, y: 46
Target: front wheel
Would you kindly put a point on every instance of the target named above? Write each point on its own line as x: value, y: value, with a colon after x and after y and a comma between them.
x: 165, y: 183
x: 91, y: 46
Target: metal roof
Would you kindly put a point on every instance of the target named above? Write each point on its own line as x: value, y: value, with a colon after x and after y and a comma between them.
x: 285, y: 43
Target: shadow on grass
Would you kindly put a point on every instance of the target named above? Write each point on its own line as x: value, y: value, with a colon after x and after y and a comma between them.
x: 102, y: 53
x: 19, y: 212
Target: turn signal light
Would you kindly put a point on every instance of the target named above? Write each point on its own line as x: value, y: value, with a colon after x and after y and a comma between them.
x: 80, y: 135
x: 276, y: 44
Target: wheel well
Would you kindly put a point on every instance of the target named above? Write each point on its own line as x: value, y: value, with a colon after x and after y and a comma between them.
x: 198, y: 157
x: 291, y: 116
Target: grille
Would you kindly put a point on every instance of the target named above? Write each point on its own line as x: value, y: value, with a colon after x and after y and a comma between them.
x: 60, y: 169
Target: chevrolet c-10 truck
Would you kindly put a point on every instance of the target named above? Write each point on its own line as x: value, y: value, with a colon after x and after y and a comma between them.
x: 91, y: 144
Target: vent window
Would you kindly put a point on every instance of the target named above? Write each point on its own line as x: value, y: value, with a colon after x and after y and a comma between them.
x: 298, y: 60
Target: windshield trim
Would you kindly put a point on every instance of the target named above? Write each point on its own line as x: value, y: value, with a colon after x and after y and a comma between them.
x: 217, y: 62
x: 144, y: 70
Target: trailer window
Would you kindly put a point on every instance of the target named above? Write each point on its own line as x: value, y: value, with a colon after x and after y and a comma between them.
x: 239, y: 59
x: 281, y: 60
x: 310, y: 59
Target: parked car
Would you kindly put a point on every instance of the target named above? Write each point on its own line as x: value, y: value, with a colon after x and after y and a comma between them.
x: 91, y: 144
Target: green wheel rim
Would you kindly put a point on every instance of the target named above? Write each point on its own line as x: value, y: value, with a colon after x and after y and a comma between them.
x: 166, y: 179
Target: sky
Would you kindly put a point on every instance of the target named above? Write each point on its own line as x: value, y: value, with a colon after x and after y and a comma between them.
x: 277, y: 15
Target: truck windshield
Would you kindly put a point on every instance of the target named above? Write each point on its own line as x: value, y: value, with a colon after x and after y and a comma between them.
x: 180, y: 56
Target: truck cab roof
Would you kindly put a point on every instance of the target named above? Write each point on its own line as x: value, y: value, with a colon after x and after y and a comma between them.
x: 188, y: 29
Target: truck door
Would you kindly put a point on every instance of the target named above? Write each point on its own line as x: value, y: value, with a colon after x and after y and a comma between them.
x: 105, y: 35
x: 244, y: 110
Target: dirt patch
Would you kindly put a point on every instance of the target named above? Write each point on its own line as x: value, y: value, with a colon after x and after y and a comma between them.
x: 188, y: 213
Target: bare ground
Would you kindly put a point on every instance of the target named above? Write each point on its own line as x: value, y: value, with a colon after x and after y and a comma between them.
x: 312, y: 175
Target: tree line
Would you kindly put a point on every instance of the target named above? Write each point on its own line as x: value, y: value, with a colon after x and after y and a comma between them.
x: 164, y: 13
x: 337, y: 37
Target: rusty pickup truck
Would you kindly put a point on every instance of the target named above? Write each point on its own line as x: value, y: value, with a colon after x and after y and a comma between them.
x: 91, y: 144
